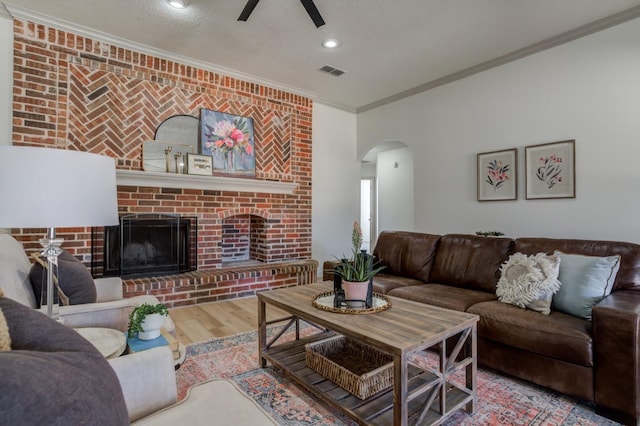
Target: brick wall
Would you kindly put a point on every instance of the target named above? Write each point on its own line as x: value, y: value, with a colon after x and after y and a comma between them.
x: 72, y: 92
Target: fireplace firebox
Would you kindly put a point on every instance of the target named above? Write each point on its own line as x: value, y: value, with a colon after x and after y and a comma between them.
x: 145, y: 245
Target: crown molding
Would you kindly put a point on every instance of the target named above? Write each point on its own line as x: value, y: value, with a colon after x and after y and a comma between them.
x: 4, y: 13
x: 335, y: 105
x: 583, y: 31
x: 17, y: 12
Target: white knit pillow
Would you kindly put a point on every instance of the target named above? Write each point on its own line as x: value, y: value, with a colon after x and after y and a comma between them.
x: 529, y: 281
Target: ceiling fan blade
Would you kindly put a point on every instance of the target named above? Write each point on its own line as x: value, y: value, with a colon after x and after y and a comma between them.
x: 313, y: 12
x: 248, y: 8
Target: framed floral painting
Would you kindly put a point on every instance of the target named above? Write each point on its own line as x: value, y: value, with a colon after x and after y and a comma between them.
x: 497, y: 179
x: 229, y: 140
x: 551, y: 170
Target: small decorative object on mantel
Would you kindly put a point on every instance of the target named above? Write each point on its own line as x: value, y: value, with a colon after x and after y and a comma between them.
x: 161, y: 156
x: 230, y: 140
x: 167, y: 153
x: 199, y: 164
x: 146, y: 320
x: 179, y: 129
x: 356, y: 275
x: 180, y: 169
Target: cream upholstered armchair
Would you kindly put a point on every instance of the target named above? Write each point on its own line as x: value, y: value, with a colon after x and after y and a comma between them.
x: 110, y: 310
x: 147, y: 378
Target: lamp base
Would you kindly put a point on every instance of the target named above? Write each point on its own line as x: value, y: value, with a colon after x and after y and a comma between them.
x: 50, y: 302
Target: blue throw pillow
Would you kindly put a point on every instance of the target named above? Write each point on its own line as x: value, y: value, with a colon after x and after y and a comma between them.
x: 585, y: 281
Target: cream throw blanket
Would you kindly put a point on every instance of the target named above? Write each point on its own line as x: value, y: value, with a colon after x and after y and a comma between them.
x: 5, y: 339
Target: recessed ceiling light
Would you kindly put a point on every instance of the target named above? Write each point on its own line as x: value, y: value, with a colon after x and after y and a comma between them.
x: 331, y: 43
x: 178, y: 4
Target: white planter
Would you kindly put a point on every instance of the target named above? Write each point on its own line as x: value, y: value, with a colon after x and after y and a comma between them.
x: 151, y: 327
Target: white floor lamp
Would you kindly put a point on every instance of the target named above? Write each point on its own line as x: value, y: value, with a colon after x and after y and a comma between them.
x: 55, y: 188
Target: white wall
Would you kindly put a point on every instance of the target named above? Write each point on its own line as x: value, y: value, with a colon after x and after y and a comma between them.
x: 6, y: 77
x: 336, y: 182
x: 587, y: 90
x: 395, y: 190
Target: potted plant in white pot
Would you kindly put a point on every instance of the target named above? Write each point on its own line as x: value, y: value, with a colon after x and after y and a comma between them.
x: 146, y: 320
x: 357, y: 271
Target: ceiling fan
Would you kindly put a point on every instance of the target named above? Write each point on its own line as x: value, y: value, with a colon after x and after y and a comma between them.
x: 311, y: 8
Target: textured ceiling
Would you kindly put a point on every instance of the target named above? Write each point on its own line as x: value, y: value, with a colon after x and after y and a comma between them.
x: 388, y: 47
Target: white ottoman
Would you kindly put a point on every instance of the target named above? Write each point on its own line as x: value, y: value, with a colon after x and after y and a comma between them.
x: 213, y: 402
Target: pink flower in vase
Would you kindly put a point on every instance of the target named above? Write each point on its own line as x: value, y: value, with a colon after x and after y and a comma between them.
x: 236, y: 135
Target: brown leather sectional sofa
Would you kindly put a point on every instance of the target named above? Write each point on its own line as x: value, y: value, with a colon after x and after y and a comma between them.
x: 597, y: 360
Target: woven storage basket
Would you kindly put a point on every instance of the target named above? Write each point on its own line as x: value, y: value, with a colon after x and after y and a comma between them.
x: 352, y: 365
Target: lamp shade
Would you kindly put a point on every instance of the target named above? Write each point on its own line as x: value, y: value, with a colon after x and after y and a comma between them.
x: 54, y: 188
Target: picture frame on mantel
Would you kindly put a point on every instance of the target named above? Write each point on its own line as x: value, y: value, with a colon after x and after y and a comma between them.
x: 229, y: 139
x: 550, y: 170
x: 497, y: 179
x: 201, y: 165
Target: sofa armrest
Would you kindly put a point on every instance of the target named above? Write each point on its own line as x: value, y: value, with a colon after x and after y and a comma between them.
x: 616, y: 339
x: 147, y: 379
x: 108, y: 289
x: 327, y: 267
x: 107, y: 314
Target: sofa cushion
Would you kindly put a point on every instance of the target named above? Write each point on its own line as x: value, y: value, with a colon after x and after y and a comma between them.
x: 384, y: 283
x: 586, y: 280
x: 55, y: 376
x: 470, y: 261
x: 74, y: 279
x: 557, y: 335
x: 408, y: 254
x: 629, y: 274
x: 529, y: 281
x: 445, y: 296
x: 14, y: 271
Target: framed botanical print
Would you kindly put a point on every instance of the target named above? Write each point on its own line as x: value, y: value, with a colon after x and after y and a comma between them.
x: 550, y: 170
x: 496, y: 175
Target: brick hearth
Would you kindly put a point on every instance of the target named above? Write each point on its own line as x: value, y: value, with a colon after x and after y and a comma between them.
x: 72, y: 92
x: 221, y: 284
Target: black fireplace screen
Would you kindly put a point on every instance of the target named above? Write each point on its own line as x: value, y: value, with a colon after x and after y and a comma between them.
x: 145, y: 245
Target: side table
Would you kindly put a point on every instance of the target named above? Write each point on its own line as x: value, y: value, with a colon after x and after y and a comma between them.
x: 110, y: 342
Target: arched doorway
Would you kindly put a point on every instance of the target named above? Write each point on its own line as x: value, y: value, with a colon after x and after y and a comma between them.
x: 387, y: 184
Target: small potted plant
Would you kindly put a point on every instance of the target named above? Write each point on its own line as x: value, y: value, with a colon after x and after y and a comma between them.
x: 357, y: 271
x: 146, y: 320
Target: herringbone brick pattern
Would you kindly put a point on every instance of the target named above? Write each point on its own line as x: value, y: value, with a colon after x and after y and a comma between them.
x: 115, y: 114
x: 274, y: 132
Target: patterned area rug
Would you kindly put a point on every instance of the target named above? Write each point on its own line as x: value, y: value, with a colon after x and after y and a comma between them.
x: 501, y: 400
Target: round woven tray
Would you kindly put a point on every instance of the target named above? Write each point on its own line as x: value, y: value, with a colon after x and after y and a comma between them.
x: 324, y: 301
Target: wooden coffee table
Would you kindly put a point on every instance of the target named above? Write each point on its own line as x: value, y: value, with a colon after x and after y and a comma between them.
x: 417, y: 396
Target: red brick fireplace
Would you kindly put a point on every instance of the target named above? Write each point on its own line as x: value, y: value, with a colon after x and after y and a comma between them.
x: 73, y: 92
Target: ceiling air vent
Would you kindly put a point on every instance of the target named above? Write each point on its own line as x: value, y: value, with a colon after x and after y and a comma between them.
x: 332, y: 70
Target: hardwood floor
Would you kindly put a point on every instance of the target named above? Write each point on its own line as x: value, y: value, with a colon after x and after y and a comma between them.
x: 218, y: 319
